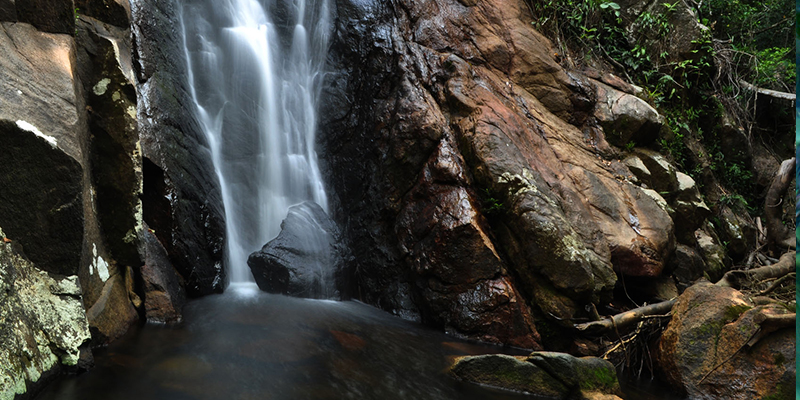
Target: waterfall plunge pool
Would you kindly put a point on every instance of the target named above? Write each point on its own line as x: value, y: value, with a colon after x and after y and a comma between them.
x: 248, y: 344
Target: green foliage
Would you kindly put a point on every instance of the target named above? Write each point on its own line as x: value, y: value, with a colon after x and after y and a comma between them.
x: 584, y: 23
x: 761, y: 29
x: 733, y: 200
x: 629, y: 146
x: 747, y: 40
x: 775, y: 67
x: 491, y: 205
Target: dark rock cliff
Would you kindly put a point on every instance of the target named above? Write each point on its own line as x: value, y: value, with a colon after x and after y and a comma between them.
x: 470, y: 194
x: 182, y: 200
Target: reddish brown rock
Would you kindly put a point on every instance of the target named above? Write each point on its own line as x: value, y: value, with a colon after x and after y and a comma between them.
x: 164, y: 295
x: 415, y: 81
x: 705, y: 350
x: 460, y: 274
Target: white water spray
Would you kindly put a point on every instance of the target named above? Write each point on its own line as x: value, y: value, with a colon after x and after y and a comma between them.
x: 255, y: 75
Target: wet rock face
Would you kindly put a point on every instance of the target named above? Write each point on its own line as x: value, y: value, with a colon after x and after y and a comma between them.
x: 411, y: 78
x: 709, y: 326
x: 59, y: 171
x: 44, y: 323
x: 460, y: 274
x: 182, y: 200
x: 114, y: 12
x: 115, y: 152
x: 40, y: 203
x: 302, y: 261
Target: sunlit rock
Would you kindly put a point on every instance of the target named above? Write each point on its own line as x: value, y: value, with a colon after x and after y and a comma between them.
x: 706, y: 350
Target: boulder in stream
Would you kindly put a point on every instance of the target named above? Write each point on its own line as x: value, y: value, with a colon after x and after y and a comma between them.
x: 546, y: 374
x: 301, y: 260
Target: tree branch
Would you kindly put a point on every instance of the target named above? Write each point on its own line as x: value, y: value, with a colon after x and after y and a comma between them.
x: 767, y: 92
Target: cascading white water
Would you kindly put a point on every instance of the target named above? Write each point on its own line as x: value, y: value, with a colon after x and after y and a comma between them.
x: 255, y: 74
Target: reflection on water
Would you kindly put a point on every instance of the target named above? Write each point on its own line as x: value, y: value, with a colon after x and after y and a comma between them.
x: 248, y: 344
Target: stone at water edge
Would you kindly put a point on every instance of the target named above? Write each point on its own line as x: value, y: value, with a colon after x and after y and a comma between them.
x: 164, y: 294
x: 44, y: 324
x: 548, y: 374
x: 301, y: 260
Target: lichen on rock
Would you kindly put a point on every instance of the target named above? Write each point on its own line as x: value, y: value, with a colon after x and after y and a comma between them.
x: 44, y: 322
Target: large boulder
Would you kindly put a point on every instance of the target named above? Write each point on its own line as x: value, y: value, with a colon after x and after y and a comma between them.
x: 559, y: 217
x: 737, y: 230
x: 706, y: 350
x: 52, y: 16
x: 712, y: 251
x: 115, y: 151
x: 686, y: 265
x: 658, y: 173
x: 182, y: 201
x: 461, y: 276
x: 44, y: 324
x: 302, y: 260
x: 114, y: 12
x: 545, y: 374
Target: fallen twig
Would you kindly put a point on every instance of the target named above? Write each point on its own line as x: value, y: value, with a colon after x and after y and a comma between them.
x: 778, y: 282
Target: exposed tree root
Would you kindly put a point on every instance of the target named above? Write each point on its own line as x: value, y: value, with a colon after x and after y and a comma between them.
x: 736, y: 278
x: 778, y: 235
x: 626, y: 319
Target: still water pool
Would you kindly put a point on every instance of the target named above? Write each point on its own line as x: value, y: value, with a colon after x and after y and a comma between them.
x: 247, y: 344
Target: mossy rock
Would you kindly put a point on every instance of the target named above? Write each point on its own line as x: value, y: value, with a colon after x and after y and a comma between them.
x: 547, y: 374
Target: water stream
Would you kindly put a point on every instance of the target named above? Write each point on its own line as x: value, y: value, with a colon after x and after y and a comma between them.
x: 255, y: 75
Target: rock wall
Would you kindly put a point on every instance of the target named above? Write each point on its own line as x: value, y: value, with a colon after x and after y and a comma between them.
x: 472, y: 174
x: 75, y: 182
x: 50, y: 207
x: 183, y: 202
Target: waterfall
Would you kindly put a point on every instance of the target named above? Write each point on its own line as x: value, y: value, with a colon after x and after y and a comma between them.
x: 255, y: 75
